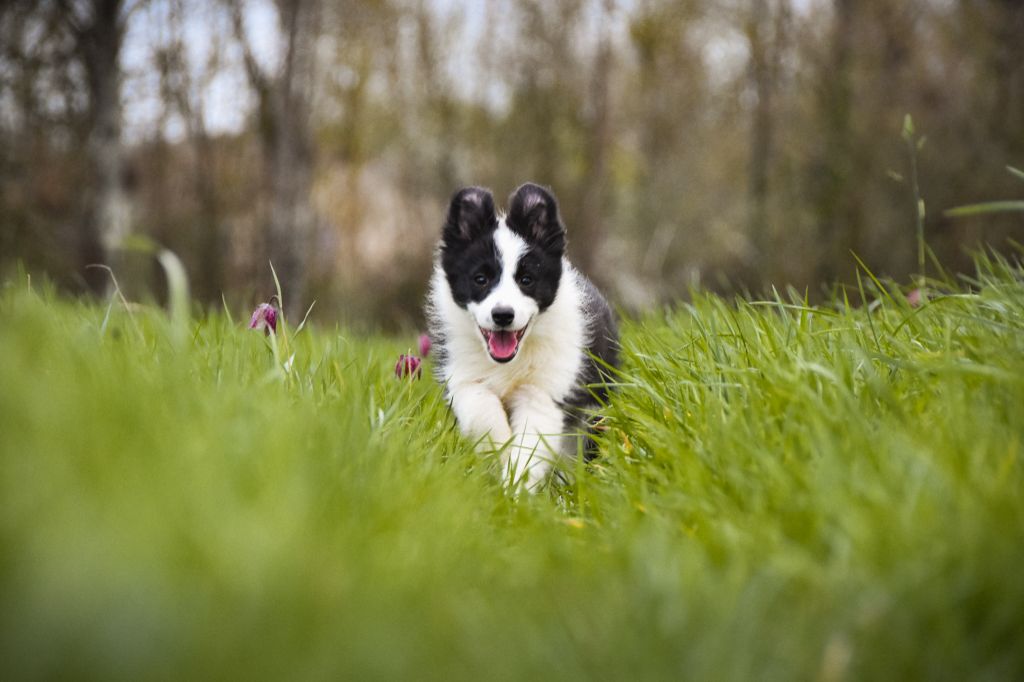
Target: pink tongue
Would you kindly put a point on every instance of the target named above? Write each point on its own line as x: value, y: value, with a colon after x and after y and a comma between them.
x: 502, y: 344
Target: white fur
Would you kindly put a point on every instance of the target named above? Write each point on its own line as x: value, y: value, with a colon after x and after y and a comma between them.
x: 515, y: 405
x: 507, y: 293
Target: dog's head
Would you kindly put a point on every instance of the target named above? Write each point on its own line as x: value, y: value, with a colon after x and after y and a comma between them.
x: 503, y: 270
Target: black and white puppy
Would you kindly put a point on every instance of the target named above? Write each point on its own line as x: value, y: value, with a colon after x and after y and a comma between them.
x: 517, y: 329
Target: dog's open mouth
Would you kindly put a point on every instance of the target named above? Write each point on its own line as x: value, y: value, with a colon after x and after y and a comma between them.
x: 502, y: 345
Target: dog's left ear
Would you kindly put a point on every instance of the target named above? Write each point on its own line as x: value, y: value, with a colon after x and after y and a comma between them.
x: 533, y: 214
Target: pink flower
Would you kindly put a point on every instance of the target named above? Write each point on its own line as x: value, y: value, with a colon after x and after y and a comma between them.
x: 408, y: 366
x: 424, y: 345
x: 915, y: 298
x: 265, y: 318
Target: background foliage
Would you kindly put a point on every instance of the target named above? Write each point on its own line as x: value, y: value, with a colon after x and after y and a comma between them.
x: 733, y: 144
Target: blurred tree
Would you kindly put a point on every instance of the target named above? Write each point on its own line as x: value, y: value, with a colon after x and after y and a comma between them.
x: 283, y: 125
x: 69, y: 52
x: 666, y: 109
x: 40, y: 112
x: 766, y: 29
x: 730, y: 144
x: 182, y: 88
x: 1000, y: 68
x: 433, y: 91
x: 831, y: 180
x: 1008, y: 73
x: 97, y: 29
x: 594, y: 199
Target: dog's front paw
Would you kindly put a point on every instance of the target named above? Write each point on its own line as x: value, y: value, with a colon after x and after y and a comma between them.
x: 526, y: 467
x: 481, y: 416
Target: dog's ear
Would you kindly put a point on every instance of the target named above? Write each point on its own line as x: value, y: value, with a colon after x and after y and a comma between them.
x: 470, y: 214
x: 533, y: 214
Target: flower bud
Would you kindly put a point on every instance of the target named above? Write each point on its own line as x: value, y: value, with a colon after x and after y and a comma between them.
x: 265, y: 318
x: 408, y: 366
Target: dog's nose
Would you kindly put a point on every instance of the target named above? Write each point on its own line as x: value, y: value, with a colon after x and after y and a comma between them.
x: 503, y: 316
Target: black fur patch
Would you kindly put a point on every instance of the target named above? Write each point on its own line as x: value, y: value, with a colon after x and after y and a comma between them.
x: 602, y: 351
x: 544, y: 271
x: 533, y: 215
x: 468, y: 250
x: 592, y: 384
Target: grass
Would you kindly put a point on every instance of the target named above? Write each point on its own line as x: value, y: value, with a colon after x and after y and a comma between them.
x: 784, y: 492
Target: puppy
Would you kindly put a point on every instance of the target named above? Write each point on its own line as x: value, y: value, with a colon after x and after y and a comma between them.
x: 524, y: 341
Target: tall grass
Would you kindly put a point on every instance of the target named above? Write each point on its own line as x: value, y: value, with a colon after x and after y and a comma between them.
x: 783, y: 492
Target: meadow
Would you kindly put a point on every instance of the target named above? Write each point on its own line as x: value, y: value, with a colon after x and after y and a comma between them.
x: 783, y: 492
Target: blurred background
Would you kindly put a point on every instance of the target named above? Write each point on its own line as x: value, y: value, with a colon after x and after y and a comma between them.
x: 724, y: 144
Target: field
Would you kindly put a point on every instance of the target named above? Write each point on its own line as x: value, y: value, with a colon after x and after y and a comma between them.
x: 783, y: 492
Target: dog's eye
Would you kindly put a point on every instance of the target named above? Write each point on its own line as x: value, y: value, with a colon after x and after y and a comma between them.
x: 480, y: 279
x: 525, y: 280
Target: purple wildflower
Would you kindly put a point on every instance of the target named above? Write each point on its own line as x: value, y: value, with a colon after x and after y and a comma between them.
x: 265, y: 318
x: 408, y: 366
x: 424, y: 345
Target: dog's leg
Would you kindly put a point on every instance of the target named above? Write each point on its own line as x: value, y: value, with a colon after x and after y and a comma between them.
x: 481, y: 416
x: 537, y: 427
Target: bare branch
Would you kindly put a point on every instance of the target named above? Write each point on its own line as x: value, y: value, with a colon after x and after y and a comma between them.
x: 67, y: 12
x: 257, y: 78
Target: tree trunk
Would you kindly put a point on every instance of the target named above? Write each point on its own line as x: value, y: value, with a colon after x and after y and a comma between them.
x: 1007, y: 118
x: 284, y: 130
x: 833, y: 206
x: 766, y: 37
x: 107, y: 217
x: 590, y: 231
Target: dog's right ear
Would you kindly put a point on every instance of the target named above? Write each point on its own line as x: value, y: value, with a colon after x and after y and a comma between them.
x: 470, y: 215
